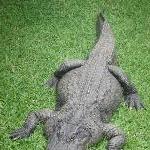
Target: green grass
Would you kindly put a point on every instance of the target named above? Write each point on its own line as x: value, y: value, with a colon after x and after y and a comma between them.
x: 37, y: 35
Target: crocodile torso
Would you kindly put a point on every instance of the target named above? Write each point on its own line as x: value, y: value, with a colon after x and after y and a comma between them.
x: 89, y: 92
x: 90, y: 89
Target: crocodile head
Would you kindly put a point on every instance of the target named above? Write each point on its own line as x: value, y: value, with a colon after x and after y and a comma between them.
x: 69, y: 137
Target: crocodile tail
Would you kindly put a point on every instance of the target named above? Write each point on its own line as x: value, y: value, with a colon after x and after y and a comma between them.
x: 105, y: 42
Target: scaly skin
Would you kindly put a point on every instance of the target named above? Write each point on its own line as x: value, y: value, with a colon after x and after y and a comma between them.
x: 89, y: 92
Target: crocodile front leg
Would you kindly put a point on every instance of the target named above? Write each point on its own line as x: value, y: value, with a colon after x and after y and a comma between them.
x: 131, y: 95
x: 31, y: 122
x: 63, y: 69
x: 115, y: 136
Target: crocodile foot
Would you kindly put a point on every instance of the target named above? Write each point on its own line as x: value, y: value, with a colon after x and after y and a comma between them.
x: 133, y: 101
x: 19, y: 134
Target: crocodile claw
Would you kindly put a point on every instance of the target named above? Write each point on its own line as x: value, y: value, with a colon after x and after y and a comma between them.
x: 133, y: 101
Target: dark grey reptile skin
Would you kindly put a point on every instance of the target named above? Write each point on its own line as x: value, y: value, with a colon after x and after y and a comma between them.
x: 89, y: 92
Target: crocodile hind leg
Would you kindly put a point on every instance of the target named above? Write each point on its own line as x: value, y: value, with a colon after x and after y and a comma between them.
x: 63, y: 69
x: 115, y: 136
x: 130, y: 92
x: 32, y: 120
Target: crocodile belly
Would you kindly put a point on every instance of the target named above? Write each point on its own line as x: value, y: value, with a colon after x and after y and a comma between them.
x: 69, y: 87
x: 109, y: 94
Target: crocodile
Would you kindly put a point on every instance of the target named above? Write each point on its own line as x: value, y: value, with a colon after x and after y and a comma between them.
x: 88, y: 93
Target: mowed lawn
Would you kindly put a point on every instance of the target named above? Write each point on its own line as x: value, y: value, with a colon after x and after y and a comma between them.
x: 38, y: 35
